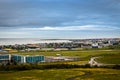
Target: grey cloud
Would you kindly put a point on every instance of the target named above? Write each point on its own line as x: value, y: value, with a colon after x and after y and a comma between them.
x: 29, y: 13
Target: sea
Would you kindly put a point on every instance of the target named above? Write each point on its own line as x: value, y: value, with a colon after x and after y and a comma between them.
x: 20, y: 41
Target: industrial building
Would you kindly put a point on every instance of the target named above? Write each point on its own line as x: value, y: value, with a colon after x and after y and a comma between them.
x: 34, y: 59
x: 17, y: 58
x: 5, y: 58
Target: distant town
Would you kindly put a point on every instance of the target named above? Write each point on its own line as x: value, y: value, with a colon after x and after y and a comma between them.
x: 71, y: 44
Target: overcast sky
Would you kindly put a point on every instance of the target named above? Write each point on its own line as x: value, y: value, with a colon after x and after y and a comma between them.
x: 59, y: 19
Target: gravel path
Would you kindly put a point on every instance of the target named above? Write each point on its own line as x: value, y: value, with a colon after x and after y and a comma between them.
x: 92, y: 62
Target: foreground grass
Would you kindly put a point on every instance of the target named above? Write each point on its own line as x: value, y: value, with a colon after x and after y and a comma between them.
x: 62, y: 74
x: 65, y: 74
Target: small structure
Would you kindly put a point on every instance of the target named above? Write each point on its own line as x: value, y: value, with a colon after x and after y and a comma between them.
x: 60, y: 58
x: 33, y: 47
x: 95, y: 45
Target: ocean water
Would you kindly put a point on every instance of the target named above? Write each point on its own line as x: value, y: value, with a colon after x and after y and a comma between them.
x: 13, y: 41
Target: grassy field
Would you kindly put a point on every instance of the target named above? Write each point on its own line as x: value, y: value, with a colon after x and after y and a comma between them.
x: 109, y: 59
x: 85, y: 55
x: 82, y: 53
x: 63, y: 74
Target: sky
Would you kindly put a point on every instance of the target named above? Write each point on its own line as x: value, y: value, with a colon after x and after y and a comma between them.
x: 60, y: 19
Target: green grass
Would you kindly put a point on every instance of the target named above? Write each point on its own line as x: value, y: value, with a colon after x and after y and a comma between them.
x: 62, y: 74
x: 81, y: 53
x: 85, y: 55
x: 110, y: 59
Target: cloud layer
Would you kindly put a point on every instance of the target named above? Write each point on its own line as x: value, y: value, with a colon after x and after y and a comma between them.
x: 85, y: 27
x: 59, y: 15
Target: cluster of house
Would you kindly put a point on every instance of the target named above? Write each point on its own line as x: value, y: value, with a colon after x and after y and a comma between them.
x: 73, y: 44
x: 85, y: 43
x: 97, y: 43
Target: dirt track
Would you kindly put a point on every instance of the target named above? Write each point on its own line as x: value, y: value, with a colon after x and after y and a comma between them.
x: 84, y: 75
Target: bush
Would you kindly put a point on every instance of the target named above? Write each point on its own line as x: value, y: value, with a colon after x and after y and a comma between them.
x: 116, y: 67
